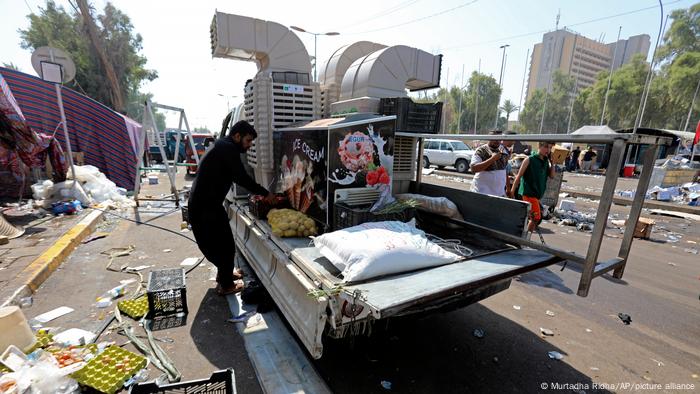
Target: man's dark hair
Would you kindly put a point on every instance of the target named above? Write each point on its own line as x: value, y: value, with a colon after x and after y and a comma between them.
x: 243, y: 129
x: 545, y: 143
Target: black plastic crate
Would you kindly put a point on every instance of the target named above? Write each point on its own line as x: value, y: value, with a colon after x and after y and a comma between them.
x: 220, y: 382
x: 166, y: 292
x: 345, y: 216
x: 159, y: 323
x: 413, y: 117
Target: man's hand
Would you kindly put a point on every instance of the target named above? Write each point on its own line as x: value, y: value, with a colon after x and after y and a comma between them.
x: 511, y: 193
x: 495, y: 156
x: 270, y: 198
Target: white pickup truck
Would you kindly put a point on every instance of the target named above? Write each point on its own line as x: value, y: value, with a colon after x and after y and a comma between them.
x: 444, y: 152
x: 310, y: 292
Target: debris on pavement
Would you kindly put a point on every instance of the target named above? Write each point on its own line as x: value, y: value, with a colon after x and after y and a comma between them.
x: 549, y: 313
x: 627, y: 319
x: 74, y: 337
x: 190, y: 261
x: 658, y: 363
x: 54, y: 314
x: 554, y: 355
x: 546, y: 332
x: 589, y: 330
x: 516, y: 307
x: 691, y: 250
x: 479, y: 333
x: 386, y: 385
x: 95, y: 237
x: 167, y: 250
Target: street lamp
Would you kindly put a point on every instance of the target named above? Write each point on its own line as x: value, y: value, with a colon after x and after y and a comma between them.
x: 227, y: 97
x: 332, y: 33
x: 500, y: 85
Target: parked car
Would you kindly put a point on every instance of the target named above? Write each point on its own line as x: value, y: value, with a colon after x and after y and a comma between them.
x: 444, y: 153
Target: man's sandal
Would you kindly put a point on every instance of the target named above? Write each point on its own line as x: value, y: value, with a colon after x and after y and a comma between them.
x: 235, y: 287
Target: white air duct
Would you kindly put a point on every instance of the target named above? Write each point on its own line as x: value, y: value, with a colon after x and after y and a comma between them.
x: 332, y: 75
x: 389, y: 72
x: 271, y: 46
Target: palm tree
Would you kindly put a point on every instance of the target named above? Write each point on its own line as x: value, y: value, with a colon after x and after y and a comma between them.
x: 509, y: 107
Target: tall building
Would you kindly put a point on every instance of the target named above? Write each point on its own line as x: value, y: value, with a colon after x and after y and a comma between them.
x: 580, y: 57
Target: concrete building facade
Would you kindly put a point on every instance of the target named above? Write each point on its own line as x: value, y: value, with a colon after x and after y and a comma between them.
x: 580, y: 57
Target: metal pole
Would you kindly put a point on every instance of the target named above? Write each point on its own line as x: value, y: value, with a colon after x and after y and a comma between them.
x: 573, y: 96
x: 447, y: 90
x: 612, y: 65
x: 651, y: 77
x: 642, y: 101
x: 459, y: 116
x: 315, y: 58
x: 476, y: 93
x: 606, y: 198
x: 522, y: 88
x: 500, y: 85
x: 690, y: 110
x: 59, y: 97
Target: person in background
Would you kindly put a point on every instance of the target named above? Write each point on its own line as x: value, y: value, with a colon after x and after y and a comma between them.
x: 573, y: 164
x: 489, y: 163
x: 509, y: 145
x: 588, y: 159
x: 533, y: 173
x: 219, y: 168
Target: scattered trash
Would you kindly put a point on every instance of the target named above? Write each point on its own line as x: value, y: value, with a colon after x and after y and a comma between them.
x: 479, y: 333
x: 645, y: 377
x: 66, y: 208
x: 658, y: 363
x: 695, y: 376
x: 495, y: 360
x: 242, y: 318
x: 672, y: 264
x: 54, y: 314
x: 584, y: 227
x: 691, y: 250
x: 627, y: 319
x: 547, y: 332
x: 618, y: 223
x: 589, y: 330
x: 167, y: 250
x: 138, y: 268
x: 95, y: 237
x: 568, y: 222
x: 554, y: 355
x: 516, y: 307
x: 190, y: 261
x: 386, y: 384
x: 105, y: 299
x: 74, y: 337
x: 595, y: 369
x: 549, y: 313
x: 25, y: 302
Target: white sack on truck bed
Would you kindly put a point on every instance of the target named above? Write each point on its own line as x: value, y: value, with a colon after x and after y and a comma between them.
x: 381, y: 248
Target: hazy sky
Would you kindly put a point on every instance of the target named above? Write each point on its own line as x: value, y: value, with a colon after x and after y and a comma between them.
x: 176, y: 37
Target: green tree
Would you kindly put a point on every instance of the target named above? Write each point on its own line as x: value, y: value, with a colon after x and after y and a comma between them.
x: 553, y: 105
x: 684, y: 34
x: 509, y: 107
x: 56, y: 27
x: 11, y: 66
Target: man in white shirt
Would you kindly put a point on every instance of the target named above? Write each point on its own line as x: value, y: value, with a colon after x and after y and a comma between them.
x: 489, y: 163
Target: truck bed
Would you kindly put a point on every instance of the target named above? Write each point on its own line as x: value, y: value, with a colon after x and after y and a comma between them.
x: 311, y: 294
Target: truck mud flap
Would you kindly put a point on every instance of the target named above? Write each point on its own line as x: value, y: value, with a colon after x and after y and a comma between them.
x: 286, y: 283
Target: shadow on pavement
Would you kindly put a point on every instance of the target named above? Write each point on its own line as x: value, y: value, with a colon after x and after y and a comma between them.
x: 439, y: 353
x: 218, y: 341
x: 545, y: 278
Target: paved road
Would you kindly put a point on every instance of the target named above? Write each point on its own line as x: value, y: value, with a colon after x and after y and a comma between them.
x: 439, y: 353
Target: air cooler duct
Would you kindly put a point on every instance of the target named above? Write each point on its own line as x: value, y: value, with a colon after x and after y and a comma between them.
x: 332, y: 74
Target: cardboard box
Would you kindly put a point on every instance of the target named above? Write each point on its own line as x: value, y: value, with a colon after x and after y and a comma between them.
x: 643, y: 228
x: 559, y: 154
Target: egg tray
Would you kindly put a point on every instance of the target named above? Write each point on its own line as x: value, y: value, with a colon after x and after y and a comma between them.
x: 108, y: 371
x: 43, y: 339
x: 136, y: 308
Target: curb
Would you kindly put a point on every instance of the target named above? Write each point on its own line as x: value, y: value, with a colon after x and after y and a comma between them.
x: 43, y: 266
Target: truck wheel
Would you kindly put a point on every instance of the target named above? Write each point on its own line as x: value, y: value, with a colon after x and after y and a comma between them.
x: 462, y: 166
x: 426, y: 162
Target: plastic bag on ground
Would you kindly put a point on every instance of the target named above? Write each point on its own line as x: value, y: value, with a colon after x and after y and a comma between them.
x: 381, y: 248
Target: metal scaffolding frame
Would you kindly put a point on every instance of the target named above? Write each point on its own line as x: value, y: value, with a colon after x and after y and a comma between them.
x: 591, y: 267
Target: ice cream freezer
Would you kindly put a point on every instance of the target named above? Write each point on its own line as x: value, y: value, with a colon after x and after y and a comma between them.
x: 315, y: 159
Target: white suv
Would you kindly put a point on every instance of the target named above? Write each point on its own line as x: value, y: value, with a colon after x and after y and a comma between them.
x: 447, y: 153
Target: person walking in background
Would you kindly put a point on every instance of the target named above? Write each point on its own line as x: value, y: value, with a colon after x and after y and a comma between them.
x: 533, y: 173
x: 575, y: 154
